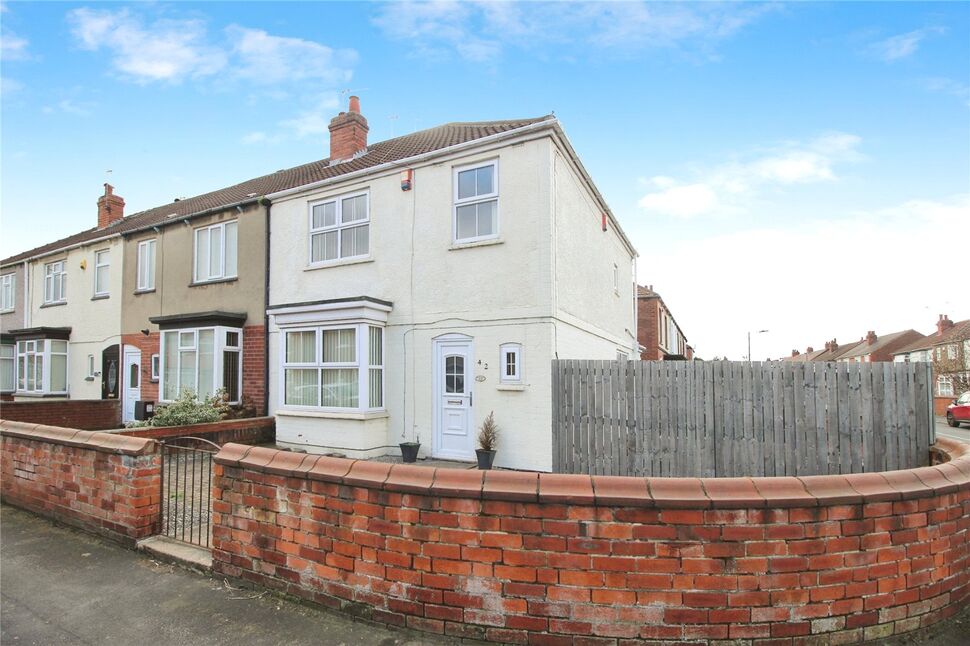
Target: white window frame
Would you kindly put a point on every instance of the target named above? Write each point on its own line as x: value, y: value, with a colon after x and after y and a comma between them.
x: 41, y: 348
x: 506, y: 349
x: 616, y: 279
x: 8, y: 292
x: 339, y: 227
x: 486, y: 197
x: 362, y: 364
x: 222, y: 274
x: 218, y: 348
x: 944, y: 386
x: 90, y: 367
x: 951, y: 352
x: 55, y: 282
x: 9, y: 364
x: 156, y: 366
x: 146, y: 265
x: 105, y: 290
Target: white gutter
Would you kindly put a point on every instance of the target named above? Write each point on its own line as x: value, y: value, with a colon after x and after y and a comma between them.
x: 416, y: 158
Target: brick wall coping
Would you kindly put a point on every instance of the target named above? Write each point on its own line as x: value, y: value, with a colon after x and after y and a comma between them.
x: 94, y: 440
x: 697, y: 493
x: 162, y: 432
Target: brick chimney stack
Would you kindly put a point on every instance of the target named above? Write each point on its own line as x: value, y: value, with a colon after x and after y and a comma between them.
x: 943, y: 324
x: 828, y: 346
x: 809, y: 350
x: 348, y: 133
x: 111, y: 207
x: 835, y: 345
x: 795, y: 353
x: 871, y: 337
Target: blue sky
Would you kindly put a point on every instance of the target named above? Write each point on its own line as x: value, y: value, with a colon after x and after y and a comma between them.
x: 803, y: 167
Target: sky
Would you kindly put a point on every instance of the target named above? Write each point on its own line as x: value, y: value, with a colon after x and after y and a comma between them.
x: 797, y: 168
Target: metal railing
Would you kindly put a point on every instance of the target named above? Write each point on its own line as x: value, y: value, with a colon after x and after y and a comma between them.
x: 187, y: 489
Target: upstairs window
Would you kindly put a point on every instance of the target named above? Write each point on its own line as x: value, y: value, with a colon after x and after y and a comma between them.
x: 476, y: 202
x: 146, y: 265
x: 102, y: 267
x: 8, y: 292
x: 340, y: 228
x: 510, y: 362
x: 215, y: 252
x: 55, y: 282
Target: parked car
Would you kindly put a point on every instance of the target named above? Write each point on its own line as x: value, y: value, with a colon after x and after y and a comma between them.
x: 959, y: 410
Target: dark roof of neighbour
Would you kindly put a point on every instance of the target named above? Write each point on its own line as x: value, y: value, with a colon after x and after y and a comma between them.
x: 842, y: 350
x: 863, y: 348
x: 923, y: 343
x: 646, y: 292
x: 959, y: 332
x: 806, y: 356
x: 382, y: 152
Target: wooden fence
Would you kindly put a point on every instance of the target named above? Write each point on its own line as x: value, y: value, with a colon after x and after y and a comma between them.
x: 731, y: 418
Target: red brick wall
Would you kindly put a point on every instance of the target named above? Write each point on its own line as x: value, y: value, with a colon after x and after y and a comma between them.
x: 252, y: 430
x: 569, y: 559
x: 148, y: 345
x: 648, y: 331
x: 254, y: 365
x: 86, y: 414
x: 100, y: 482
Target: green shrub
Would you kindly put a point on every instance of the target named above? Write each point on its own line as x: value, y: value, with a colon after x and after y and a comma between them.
x: 189, y: 409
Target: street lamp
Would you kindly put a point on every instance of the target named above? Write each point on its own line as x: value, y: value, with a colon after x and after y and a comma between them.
x: 749, y: 342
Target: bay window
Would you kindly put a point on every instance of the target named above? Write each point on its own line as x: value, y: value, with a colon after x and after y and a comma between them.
x: 339, y: 228
x: 55, y: 282
x: 215, y: 252
x: 42, y: 366
x: 202, y: 361
x: 337, y: 367
x: 476, y: 202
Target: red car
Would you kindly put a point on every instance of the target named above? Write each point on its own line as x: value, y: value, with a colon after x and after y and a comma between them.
x: 959, y: 411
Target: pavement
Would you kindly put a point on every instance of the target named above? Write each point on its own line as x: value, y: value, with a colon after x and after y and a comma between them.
x: 61, y: 586
x: 945, y: 430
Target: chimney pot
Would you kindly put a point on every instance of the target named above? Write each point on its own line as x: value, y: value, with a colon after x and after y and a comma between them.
x: 809, y: 350
x: 354, y: 104
x: 871, y: 337
x: 795, y: 353
x: 943, y: 324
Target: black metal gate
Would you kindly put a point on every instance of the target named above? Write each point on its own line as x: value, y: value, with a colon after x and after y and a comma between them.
x: 187, y: 489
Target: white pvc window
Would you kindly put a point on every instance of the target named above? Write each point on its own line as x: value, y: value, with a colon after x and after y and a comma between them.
x: 202, y: 361
x: 42, y: 366
x: 339, y: 368
x: 156, y: 366
x: 215, y: 252
x: 340, y: 228
x: 944, y: 386
x: 8, y: 292
x: 55, y: 282
x: 476, y: 202
x: 510, y: 362
x: 8, y: 368
x: 90, y: 366
x: 146, y: 265
x: 951, y: 352
x: 102, y: 269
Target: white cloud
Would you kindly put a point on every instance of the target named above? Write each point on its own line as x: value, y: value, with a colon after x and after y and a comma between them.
x: 165, y: 50
x: 948, y: 86
x: 13, y: 47
x: 267, y: 59
x: 905, y: 45
x: 480, y: 31
x: 727, y: 188
x: 313, y: 121
x: 68, y: 106
x: 173, y: 50
x: 807, y: 283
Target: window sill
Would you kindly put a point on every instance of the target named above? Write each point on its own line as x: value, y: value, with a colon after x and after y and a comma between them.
x: 9, y: 311
x: 203, y: 283
x: 337, y: 263
x: 455, y: 246
x: 57, y: 304
x: 332, y: 415
x: 512, y: 388
x: 139, y: 292
x: 100, y: 297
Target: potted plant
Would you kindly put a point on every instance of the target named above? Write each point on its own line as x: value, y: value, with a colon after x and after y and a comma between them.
x: 487, y: 441
x: 409, y: 450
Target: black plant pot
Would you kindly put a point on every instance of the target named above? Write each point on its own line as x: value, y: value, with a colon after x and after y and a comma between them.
x: 485, y: 458
x: 409, y: 451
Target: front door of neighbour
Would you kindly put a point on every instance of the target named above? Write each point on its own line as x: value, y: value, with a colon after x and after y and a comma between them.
x: 131, y: 378
x: 454, y: 379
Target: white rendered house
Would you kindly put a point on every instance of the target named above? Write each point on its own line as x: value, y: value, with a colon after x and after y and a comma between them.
x: 432, y: 279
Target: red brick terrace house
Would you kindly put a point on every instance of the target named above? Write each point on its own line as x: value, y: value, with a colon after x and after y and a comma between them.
x: 950, y: 353
x: 659, y: 335
x: 879, y: 348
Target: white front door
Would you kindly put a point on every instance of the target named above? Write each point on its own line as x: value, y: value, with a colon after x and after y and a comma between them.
x: 131, y: 384
x: 453, y: 380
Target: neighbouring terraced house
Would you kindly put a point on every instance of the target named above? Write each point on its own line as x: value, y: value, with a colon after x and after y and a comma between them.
x: 398, y: 290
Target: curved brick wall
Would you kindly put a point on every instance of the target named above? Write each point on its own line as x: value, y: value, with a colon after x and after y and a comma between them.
x: 570, y: 559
